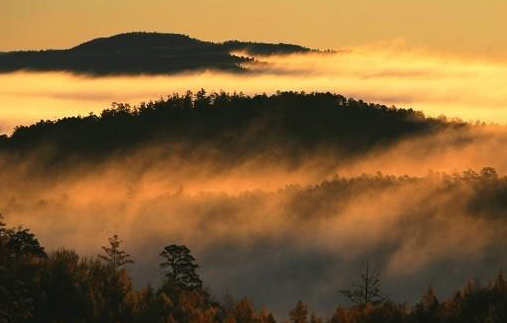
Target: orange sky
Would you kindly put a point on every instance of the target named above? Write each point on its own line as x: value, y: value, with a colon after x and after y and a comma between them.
x: 442, y: 57
x: 459, y: 26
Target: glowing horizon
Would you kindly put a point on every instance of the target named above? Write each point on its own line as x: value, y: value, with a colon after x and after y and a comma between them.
x: 460, y: 27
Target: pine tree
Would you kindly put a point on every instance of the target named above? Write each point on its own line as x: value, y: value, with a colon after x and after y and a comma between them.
x: 114, y: 255
x: 180, y: 267
x: 20, y: 252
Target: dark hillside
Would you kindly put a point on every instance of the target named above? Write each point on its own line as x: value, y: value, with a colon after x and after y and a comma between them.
x: 142, y: 53
x: 290, y: 123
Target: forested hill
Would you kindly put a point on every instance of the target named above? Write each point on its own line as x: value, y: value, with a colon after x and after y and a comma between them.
x: 142, y: 53
x: 239, y: 126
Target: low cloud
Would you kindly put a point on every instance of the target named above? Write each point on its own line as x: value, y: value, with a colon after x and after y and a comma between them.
x: 469, y: 89
x: 260, y: 227
x: 279, y: 233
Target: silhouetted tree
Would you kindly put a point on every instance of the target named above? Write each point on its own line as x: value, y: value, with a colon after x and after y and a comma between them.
x: 113, y: 255
x: 180, y: 267
x: 20, y: 259
x: 63, y: 287
x: 23, y: 243
x: 368, y: 290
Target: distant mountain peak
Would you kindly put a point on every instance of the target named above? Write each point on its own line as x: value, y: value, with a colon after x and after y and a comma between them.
x: 137, y: 53
x: 135, y: 40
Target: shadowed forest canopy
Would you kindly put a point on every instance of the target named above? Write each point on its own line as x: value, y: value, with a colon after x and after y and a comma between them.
x: 239, y: 126
x: 64, y: 287
x: 203, y: 171
x: 143, y: 53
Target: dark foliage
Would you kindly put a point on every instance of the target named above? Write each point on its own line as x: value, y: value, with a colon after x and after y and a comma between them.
x: 142, y: 53
x: 67, y: 288
x: 286, y: 124
x: 20, y: 258
x: 113, y: 255
x: 180, y: 268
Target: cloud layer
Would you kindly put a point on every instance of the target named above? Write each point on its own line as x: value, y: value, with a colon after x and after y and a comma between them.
x: 259, y: 227
x: 279, y: 233
x: 468, y: 89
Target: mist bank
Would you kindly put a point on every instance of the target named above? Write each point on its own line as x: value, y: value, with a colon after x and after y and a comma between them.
x: 288, y: 132
x: 233, y: 128
x: 281, y: 227
x: 269, y: 192
x: 62, y: 285
x: 279, y: 245
x: 470, y: 89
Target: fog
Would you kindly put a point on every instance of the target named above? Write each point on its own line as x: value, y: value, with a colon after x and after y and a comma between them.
x: 271, y: 230
x: 466, y: 88
x: 279, y: 233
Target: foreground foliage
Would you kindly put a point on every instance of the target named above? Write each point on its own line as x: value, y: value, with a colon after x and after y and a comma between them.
x: 64, y: 287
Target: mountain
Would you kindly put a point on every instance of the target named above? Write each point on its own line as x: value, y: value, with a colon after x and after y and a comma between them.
x: 234, y: 126
x: 143, y: 53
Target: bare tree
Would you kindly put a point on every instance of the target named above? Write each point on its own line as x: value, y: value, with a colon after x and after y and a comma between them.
x: 368, y: 290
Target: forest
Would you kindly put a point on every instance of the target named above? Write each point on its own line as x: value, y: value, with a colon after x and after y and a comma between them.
x: 289, y: 124
x: 208, y: 192
x: 63, y: 287
x: 265, y: 161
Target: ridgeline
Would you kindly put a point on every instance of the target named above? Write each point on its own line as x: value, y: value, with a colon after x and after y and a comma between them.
x: 143, y: 53
x: 290, y: 124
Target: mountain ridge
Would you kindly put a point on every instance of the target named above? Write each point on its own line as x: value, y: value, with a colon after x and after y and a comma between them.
x: 143, y: 53
x: 234, y: 125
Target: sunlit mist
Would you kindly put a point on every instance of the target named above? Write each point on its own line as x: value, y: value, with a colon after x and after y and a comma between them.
x: 467, y: 89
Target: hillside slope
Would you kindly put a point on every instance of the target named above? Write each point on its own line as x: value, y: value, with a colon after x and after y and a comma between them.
x: 288, y: 124
x: 142, y: 53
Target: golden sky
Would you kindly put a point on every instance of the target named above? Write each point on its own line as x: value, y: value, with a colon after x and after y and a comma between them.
x: 461, y: 27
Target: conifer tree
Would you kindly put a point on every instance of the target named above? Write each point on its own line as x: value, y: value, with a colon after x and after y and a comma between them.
x: 113, y: 255
x: 180, y: 267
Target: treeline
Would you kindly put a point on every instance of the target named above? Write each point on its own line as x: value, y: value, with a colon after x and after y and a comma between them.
x: 64, y: 287
x: 480, y: 194
x: 289, y: 124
